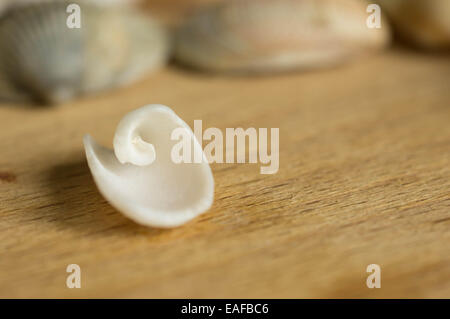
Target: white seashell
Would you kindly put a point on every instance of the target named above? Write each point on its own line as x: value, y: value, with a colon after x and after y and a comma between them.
x: 44, y: 59
x: 424, y: 23
x: 139, y: 177
x: 269, y: 35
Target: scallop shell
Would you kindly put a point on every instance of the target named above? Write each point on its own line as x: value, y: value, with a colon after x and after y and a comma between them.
x: 425, y: 24
x: 49, y: 62
x: 139, y: 177
x: 267, y: 35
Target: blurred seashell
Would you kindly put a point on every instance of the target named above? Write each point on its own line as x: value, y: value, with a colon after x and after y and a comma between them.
x: 140, y: 178
x: 52, y: 63
x: 6, y: 4
x: 267, y: 35
x: 9, y: 91
x: 424, y: 23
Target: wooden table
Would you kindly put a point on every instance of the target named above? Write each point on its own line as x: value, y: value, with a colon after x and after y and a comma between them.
x: 364, y: 178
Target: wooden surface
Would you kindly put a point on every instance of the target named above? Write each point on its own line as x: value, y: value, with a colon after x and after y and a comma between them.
x: 364, y: 178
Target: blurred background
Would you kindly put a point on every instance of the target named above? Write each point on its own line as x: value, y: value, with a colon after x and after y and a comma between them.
x: 360, y: 94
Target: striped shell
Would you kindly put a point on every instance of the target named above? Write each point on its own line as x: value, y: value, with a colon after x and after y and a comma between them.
x: 43, y: 59
x: 267, y: 35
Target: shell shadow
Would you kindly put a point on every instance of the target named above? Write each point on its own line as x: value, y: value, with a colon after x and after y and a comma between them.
x: 78, y: 205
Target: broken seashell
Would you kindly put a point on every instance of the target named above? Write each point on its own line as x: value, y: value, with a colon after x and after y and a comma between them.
x: 425, y: 24
x: 140, y: 178
x: 47, y: 61
x: 267, y: 35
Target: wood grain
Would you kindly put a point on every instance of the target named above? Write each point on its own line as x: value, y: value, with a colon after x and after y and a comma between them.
x: 364, y: 178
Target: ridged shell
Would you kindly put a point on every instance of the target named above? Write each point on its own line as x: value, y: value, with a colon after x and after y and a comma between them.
x: 44, y: 59
x: 425, y: 23
x: 267, y: 35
